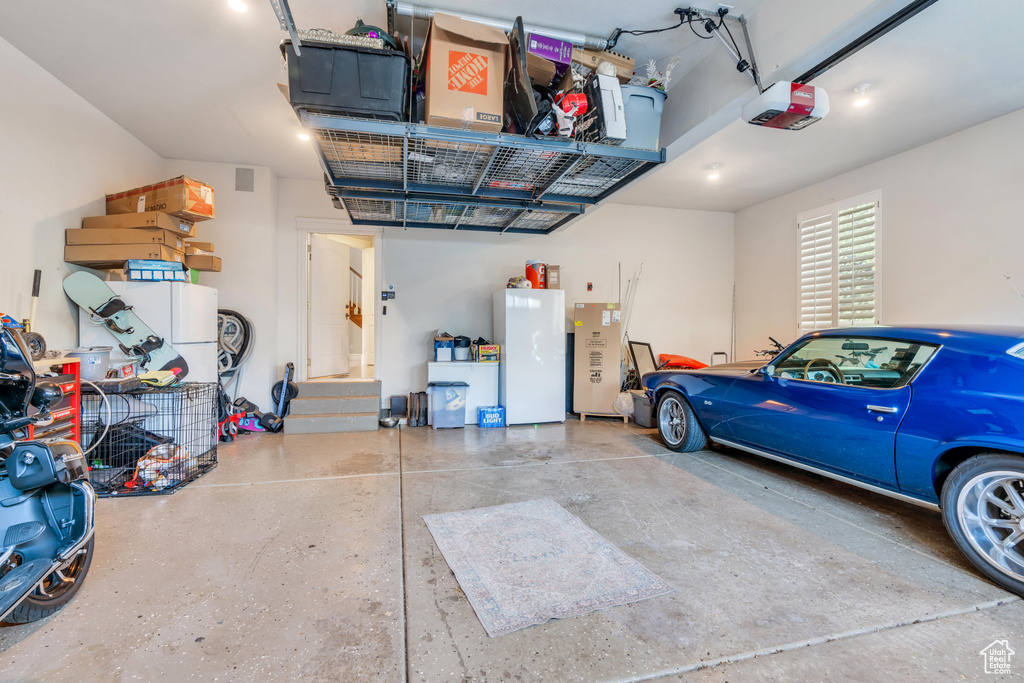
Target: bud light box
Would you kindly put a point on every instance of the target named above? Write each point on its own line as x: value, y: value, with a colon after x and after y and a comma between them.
x: 491, y: 416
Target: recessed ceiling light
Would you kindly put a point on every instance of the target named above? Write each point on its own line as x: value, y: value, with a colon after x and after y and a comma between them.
x: 861, y: 91
x: 713, y: 173
x: 303, y: 136
x: 238, y: 5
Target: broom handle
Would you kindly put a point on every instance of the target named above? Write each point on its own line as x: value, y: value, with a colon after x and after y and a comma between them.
x: 36, y: 277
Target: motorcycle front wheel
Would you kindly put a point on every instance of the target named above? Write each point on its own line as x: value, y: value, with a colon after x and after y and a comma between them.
x: 56, y: 590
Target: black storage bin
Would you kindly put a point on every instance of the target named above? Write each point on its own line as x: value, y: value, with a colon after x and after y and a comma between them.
x: 360, y: 82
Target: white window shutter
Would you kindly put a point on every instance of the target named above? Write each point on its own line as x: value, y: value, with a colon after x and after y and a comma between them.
x: 855, y: 264
x: 816, y: 275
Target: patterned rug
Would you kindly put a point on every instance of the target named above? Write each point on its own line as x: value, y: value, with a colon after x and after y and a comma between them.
x: 525, y: 563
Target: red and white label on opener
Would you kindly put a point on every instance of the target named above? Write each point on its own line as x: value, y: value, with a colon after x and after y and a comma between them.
x: 801, y: 98
x: 801, y: 104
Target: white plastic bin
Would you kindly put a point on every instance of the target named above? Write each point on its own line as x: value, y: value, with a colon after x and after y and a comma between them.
x: 643, y: 108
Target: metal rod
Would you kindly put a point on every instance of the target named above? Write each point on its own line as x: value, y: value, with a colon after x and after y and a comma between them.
x: 468, y: 228
x: 486, y: 168
x: 561, y: 175
x: 467, y: 201
x: 284, y: 17
x: 420, y: 12
x: 405, y: 164
x: 737, y: 57
x: 750, y: 52
x: 864, y: 40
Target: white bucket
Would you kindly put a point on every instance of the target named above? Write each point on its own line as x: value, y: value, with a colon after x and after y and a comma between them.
x: 95, y: 361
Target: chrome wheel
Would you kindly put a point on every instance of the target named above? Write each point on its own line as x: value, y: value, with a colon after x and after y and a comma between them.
x: 990, y: 512
x: 671, y: 420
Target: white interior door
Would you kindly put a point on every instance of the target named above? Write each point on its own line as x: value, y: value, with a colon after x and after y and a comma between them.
x: 328, y: 298
x: 369, y: 303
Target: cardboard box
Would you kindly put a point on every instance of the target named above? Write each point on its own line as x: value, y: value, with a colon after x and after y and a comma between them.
x: 465, y: 71
x: 146, y: 219
x: 444, y: 347
x: 181, y: 197
x: 540, y: 70
x: 557, y: 51
x: 592, y: 59
x: 204, y: 262
x: 554, y: 277
x: 159, y: 271
x: 597, y: 353
x: 488, y: 353
x: 205, y: 247
x: 129, y: 236
x: 114, y: 255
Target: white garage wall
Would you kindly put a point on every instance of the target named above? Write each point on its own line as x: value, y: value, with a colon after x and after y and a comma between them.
x: 59, y: 156
x: 950, y: 228
x: 244, y: 234
x: 446, y: 279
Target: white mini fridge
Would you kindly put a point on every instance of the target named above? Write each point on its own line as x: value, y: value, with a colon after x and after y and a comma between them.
x: 182, y: 314
x: 529, y: 324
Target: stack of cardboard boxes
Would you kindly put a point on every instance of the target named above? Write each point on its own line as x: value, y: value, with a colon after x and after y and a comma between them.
x: 155, y: 223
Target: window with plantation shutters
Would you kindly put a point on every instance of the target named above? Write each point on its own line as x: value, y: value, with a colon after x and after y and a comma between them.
x: 855, y: 259
x: 816, y: 305
x: 836, y: 264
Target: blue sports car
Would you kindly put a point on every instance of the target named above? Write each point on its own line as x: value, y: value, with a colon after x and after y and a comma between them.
x: 932, y: 416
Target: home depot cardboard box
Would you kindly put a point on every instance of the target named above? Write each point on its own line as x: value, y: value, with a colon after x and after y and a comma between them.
x: 146, y: 219
x: 465, y: 71
x: 204, y: 262
x: 114, y: 255
x: 597, y: 354
x: 129, y: 236
x: 181, y: 197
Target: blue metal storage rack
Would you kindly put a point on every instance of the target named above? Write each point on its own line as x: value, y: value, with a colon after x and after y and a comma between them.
x: 416, y: 176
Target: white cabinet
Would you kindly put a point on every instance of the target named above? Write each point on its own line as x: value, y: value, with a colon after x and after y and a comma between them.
x: 482, y: 379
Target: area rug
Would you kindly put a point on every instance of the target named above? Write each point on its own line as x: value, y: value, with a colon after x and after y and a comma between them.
x: 526, y: 563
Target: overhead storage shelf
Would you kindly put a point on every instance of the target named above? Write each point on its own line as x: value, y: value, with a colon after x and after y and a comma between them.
x: 390, y: 173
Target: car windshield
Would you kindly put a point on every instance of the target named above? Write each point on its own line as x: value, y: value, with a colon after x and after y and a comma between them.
x: 860, y: 361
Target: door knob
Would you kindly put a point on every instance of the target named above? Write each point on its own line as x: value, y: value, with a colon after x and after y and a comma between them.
x: 882, y: 409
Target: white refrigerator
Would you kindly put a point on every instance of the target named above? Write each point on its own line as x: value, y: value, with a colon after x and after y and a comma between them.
x: 529, y: 324
x: 182, y: 314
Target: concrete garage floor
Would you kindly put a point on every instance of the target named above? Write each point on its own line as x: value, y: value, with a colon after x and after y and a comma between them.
x: 286, y: 563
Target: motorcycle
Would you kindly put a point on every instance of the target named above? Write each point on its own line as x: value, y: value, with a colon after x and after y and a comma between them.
x: 47, y: 504
x: 770, y: 353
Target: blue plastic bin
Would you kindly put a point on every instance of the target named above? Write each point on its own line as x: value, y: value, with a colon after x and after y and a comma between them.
x: 448, y: 404
x: 490, y: 416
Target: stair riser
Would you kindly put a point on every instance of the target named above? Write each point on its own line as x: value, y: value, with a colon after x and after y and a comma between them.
x: 319, y: 425
x: 319, y: 406
x: 338, y: 389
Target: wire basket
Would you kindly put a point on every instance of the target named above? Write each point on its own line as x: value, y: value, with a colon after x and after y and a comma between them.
x: 159, y: 439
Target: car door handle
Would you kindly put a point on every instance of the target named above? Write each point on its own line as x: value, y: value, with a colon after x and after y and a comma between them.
x: 882, y: 409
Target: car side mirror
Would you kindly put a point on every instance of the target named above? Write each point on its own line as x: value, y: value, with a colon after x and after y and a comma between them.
x: 46, y: 394
x: 768, y: 371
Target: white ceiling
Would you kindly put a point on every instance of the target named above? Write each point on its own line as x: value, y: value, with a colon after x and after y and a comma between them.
x: 196, y: 80
x: 953, y: 66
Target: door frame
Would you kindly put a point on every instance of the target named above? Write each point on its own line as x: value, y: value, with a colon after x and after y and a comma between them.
x: 304, y: 227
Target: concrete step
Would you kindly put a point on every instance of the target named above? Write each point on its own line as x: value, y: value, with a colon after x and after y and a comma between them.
x: 338, y: 389
x: 331, y: 422
x: 334, y: 404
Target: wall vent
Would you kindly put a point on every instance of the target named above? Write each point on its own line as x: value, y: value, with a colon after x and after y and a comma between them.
x: 245, y: 179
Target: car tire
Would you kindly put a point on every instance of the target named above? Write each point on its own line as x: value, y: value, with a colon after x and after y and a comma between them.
x: 978, y: 525
x: 677, y: 424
